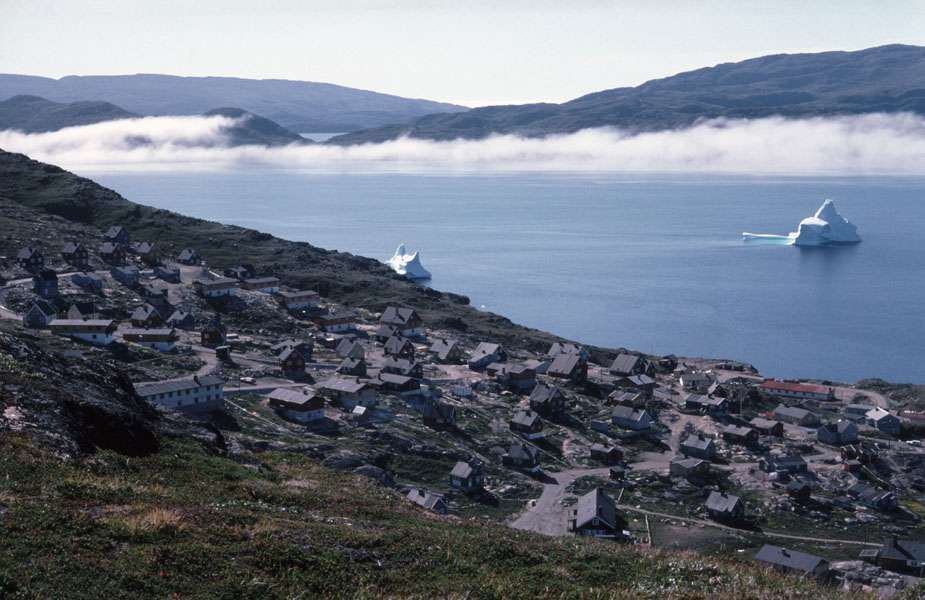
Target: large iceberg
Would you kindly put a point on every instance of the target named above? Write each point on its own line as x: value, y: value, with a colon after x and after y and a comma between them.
x: 408, y: 265
x: 825, y: 228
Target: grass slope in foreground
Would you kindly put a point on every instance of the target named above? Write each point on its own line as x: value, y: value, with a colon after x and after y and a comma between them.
x: 180, y: 522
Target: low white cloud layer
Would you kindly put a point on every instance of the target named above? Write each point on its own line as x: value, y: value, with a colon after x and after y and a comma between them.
x: 875, y: 144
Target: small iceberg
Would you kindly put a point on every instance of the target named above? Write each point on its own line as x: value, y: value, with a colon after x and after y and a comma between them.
x: 826, y: 228
x: 408, y: 265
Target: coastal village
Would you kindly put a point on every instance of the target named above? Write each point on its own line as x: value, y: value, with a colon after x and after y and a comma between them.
x: 815, y: 479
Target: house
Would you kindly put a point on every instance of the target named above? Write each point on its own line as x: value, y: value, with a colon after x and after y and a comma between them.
x: 96, y: 331
x: 745, y: 436
x: 789, y: 464
x: 348, y: 348
x: 337, y: 322
x: 708, y: 405
x: 81, y: 310
x: 618, y: 472
x: 485, y: 354
x: 793, y: 562
x: 698, y: 446
x: 145, y: 317
x: 163, y: 339
x: 796, y: 416
x: 547, y: 400
x: 305, y: 348
x: 609, y: 455
x: 694, y: 381
x: 428, y: 500
x: 384, y: 332
x: 292, y: 363
x: 89, y: 282
x: 595, y: 514
x: 267, y: 285
x: 523, y: 457
x: 686, y: 468
x: 724, y: 507
x: 127, y: 276
x: 630, y: 364
x: 241, y: 272
x: 348, y: 393
x: 398, y: 346
x: 214, y: 288
x: 189, y: 256
x: 640, y: 383
x: 838, y: 433
x: 540, y: 366
x: 149, y: 253
x: 567, y: 348
x: 467, y: 476
x: 767, y: 427
x: 627, y: 398
x: 863, y: 453
x: 405, y: 319
x: 569, y: 366
x: 181, y: 320
x: 527, y: 423
x: 30, y: 258
x: 117, y: 235
x: 355, y: 367
x: 521, y: 378
x: 156, y: 295
x: 635, y: 419
x: 438, y: 414
x: 40, y: 314
x: 298, y: 300
x: 800, y: 391
x: 857, y: 412
x: 113, y: 254
x: 190, y: 394
x: 884, y: 421
x: 871, y: 497
x: 75, y: 254
x: 398, y: 385
x: 799, y: 490
x: 668, y: 363
x: 302, y: 406
x: 168, y: 273
x: 45, y: 283
x: 903, y: 555
x: 214, y: 333
x: 403, y: 366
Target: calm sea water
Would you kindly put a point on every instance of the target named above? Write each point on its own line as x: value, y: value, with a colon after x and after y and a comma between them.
x: 655, y: 264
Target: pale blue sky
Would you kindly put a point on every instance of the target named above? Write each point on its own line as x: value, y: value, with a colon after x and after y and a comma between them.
x: 469, y: 52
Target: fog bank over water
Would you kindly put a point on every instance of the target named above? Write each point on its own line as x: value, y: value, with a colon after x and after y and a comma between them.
x: 873, y: 144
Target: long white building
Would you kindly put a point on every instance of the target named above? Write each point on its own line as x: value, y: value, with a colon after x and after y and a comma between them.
x: 189, y: 394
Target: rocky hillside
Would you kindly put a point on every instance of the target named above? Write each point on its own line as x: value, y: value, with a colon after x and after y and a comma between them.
x: 884, y: 79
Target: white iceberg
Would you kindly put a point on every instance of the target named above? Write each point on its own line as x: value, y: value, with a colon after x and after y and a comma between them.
x: 408, y: 265
x: 825, y: 228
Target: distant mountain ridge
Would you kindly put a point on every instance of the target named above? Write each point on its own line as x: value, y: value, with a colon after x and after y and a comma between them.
x: 883, y: 79
x: 300, y: 106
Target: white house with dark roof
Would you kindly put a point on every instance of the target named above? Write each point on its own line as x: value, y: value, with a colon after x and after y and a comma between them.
x: 100, y: 332
x: 214, y: 288
x: 298, y: 300
x: 635, y: 419
x: 348, y: 392
x: 796, y: 416
x: 405, y: 319
x: 724, y: 507
x: 884, y: 421
x: 303, y: 406
x: 699, y: 446
x: 595, y: 514
x: 467, y: 476
x: 793, y: 562
x: 188, y: 394
x: 163, y: 339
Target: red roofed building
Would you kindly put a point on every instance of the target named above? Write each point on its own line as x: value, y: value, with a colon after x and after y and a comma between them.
x: 802, y: 391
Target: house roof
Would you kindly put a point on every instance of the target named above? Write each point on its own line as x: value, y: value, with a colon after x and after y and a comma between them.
x: 143, y: 312
x: 176, y: 385
x: 339, y: 384
x: 621, y: 396
x: 114, y: 231
x: 43, y: 306
x: 738, y: 431
x: 351, y: 363
x: 897, y: 549
x: 28, y: 252
x: 179, y: 315
x: 402, y: 364
x: 761, y: 423
x: 290, y: 352
x: 127, y: 271
x: 687, y: 463
x: 296, y: 397
x: 721, y: 502
x: 145, y: 247
x: 525, y: 418
x: 349, y: 314
x: 698, y: 442
x: 397, y: 344
x: 596, y: 505
x: 543, y: 393
x: 523, y: 452
x: 625, y: 363
x: 443, y: 348
x: 109, y: 248
x: 564, y: 364
x: 71, y: 248
x: 462, y: 470
x: 786, y: 386
x: 426, y: 499
x: 878, y: 414
x: 187, y: 253
x: 628, y: 413
x: 438, y: 410
x: 565, y: 348
x: 486, y: 348
x: 790, y: 559
x: 394, y: 378
x: 398, y: 315
x: 792, y: 411
x: 840, y: 427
